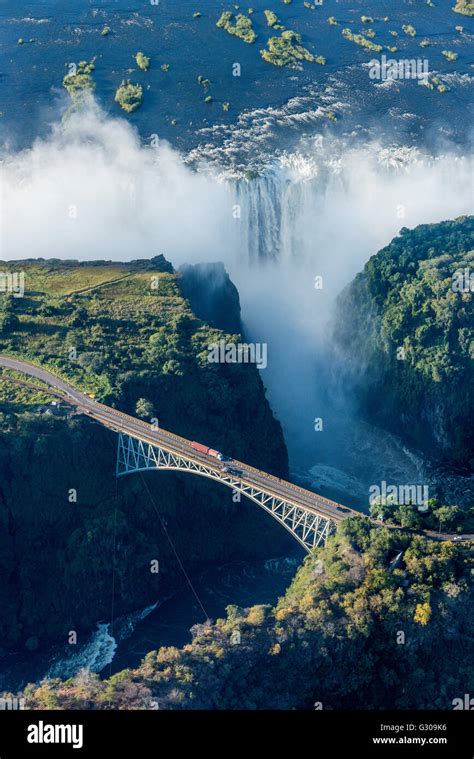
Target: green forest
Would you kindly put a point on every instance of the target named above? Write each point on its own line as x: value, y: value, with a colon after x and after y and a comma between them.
x: 125, y: 334
x: 360, y: 627
x: 405, y: 337
x: 363, y: 621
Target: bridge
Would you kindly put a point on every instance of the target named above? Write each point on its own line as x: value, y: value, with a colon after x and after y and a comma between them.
x: 142, y: 447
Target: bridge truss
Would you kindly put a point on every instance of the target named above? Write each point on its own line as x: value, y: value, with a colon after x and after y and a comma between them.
x: 309, y: 528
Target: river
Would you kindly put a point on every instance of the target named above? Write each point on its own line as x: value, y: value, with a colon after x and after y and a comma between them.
x: 322, y: 197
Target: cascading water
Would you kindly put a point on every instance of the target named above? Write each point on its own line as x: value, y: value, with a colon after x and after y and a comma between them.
x: 306, y: 226
x: 320, y: 212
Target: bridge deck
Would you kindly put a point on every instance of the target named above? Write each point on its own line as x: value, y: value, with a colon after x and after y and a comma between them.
x: 120, y: 422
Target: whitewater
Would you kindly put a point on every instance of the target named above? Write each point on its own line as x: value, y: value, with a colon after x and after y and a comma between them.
x: 95, y: 190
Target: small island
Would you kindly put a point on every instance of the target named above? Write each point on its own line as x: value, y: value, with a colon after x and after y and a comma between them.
x: 287, y: 50
x: 79, y: 82
x: 359, y: 39
x: 466, y: 7
x: 129, y: 96
x: 143, y: 61
x: 273, y: 21
x: 242, y: 28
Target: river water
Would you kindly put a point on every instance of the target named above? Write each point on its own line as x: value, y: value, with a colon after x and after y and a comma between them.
x: 320, y: 203
x: 330, y: 469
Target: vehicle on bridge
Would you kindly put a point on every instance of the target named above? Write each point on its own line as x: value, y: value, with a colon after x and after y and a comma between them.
x: 232, y: 470
x: 209, y: 451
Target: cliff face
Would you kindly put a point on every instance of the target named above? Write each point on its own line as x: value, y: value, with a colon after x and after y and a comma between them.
x: 65, y: 521
x: 405, y: 336
x: 212, y: 295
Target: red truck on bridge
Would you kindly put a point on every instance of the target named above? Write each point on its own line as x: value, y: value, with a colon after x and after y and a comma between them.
x: 209, y: 451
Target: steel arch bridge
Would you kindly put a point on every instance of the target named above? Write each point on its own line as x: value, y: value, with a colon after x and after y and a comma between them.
x: 308, y: 527
x: 308, y: 516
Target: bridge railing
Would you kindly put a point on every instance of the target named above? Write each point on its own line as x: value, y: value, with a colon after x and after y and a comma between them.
x: 184, y: 441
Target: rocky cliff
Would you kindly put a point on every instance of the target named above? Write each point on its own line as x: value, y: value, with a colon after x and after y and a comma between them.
x: 405, y: 336
x: 73, y: 539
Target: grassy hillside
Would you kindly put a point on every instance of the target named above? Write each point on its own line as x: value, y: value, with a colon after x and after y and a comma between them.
x: 124, y: 331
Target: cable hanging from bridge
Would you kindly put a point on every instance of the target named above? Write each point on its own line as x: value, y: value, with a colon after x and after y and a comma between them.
x: 173, y: 548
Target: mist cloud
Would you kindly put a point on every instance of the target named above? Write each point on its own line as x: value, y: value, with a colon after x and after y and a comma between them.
x: 93, y: 191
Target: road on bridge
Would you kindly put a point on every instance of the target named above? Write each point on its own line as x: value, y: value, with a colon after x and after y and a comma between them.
x: 120, y: 422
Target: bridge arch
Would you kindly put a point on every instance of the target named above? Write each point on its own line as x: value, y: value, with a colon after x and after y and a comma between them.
x: 306, y: 526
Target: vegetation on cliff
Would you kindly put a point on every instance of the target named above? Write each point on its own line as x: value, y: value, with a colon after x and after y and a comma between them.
x: 405, y: 328
x: 361, y: 626
x: 125, y: 333
x: 437, y: 516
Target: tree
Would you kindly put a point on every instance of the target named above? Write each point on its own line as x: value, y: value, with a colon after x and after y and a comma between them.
x: 446, y: 516
x: 93, y: 362
x: 423, y: 613
x: 380, y: 509
x: 79, y: 316
x: 144, y: 408
x: 8, y: 322
x: 407, y: 516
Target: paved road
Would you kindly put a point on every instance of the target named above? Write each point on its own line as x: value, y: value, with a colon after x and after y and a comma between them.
x: 120, y: 422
